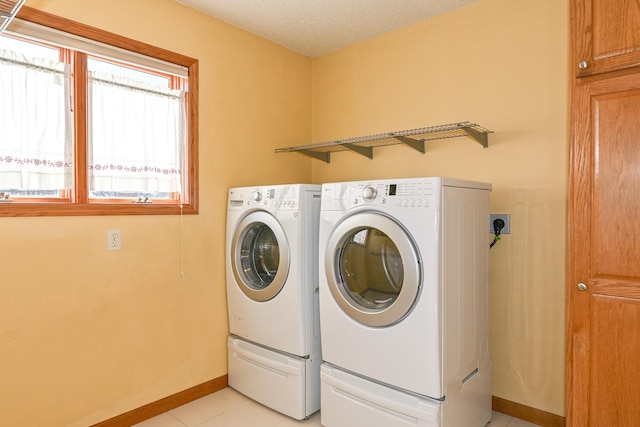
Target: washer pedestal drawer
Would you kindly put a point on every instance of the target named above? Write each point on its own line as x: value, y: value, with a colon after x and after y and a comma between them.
x: 285, y: 383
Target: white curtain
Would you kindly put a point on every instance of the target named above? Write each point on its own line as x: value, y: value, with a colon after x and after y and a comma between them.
x: 36, y: 132
x: 137, y: 133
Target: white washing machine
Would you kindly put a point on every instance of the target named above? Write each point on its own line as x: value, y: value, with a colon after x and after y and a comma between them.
x: 404, y: 300
x: 272, y: 294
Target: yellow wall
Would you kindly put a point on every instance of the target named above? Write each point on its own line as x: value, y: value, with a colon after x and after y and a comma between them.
x: 87, y: 334
x: 502, y: 64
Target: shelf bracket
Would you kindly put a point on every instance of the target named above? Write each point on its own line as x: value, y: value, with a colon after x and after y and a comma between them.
x: 416, y: 144
x: 325, y: 157
x: 365, y: 151
x: 481, y: 137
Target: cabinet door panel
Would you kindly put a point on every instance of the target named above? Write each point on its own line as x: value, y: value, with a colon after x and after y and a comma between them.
x: 606, y: 35
x: 615, y: 354
x: 616, y: 192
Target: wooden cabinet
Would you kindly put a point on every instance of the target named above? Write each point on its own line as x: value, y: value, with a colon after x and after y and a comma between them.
x: 603, y: 356
x: 606, y: 36
x: 603, y: 296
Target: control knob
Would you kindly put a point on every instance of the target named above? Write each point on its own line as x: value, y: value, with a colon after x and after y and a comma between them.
x: 257, y: 196
x: 369, y: 193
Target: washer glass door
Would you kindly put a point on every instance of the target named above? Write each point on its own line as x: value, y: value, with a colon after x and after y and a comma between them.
x: 260, y: 256
x: 373, y: 269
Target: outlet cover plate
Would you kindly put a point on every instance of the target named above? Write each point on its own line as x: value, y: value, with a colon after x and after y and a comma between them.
x: 114, y: 242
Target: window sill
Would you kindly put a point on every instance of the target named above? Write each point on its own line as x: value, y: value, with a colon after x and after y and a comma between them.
x: 16, y: 209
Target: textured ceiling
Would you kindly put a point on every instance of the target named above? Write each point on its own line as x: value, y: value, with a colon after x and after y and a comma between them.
x: 317, y: 27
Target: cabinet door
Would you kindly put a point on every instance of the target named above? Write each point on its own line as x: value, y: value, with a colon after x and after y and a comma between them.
x: 603, y: 335
x: 606, y: 35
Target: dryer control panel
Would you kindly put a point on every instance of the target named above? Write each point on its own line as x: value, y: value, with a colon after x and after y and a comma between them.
x: 421, y: 193
x: 396, y: 194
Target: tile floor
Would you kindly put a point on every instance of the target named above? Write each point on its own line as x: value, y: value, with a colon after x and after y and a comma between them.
x: 228, y: 408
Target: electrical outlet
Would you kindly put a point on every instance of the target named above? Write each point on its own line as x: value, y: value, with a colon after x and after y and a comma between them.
x: 114, y: 242
x: 507, y: 223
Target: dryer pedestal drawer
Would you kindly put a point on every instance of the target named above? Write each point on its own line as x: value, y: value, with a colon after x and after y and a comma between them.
x: 282, y: 382
x: 349, y: 400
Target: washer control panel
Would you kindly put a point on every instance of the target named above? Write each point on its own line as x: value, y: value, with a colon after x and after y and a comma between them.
x: 283, y: 197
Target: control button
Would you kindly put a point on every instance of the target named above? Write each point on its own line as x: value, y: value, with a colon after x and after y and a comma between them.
x: 369, y: 193
x: 257, y: 196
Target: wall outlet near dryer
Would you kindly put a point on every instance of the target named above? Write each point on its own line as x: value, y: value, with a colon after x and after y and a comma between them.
x: 507, y: 223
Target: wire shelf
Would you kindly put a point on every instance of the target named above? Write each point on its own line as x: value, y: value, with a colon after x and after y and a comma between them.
x: 364, y: 145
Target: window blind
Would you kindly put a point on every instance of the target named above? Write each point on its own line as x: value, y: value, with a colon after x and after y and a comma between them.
x: 50, y: 35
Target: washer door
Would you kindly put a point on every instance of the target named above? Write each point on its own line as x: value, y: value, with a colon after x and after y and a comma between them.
x: 373, y: 269
x: 260, y: 256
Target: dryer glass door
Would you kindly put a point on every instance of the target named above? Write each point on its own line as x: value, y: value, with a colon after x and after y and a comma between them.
x: 373, y: 269
x: 260, y: 256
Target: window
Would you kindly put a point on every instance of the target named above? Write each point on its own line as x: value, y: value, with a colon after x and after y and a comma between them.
x: 93, y: 123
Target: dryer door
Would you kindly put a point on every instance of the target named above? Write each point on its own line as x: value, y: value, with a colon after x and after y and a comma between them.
x: 260, y: 256
x: 373, y: 269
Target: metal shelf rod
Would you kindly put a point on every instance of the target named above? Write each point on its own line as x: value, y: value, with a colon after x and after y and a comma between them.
x: 8, y: 10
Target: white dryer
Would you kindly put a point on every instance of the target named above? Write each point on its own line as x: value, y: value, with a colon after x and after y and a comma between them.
x: 272, y: 294
x: 404, y: 303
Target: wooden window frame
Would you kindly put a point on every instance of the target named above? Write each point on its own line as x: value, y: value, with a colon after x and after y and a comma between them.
x: 80, y: 203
